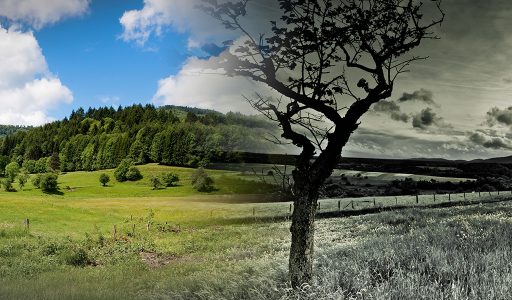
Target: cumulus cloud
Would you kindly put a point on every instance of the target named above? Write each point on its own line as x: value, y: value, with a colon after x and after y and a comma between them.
x: 489, y: 141
x: 39, y: 13
x: 499, y: 116
x: 27, y: 88
x: 196, y: 85
x: 158, y: 15
x: 421, y: 95
x: 426, y: 118
x: 392, y: 109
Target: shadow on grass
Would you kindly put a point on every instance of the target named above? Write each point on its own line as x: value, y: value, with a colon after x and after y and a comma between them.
x: 55, y: 192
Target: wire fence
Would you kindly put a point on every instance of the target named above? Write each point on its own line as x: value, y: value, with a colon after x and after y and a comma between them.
x: 269, y: 210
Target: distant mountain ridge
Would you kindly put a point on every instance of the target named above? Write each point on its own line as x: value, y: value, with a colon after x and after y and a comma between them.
x: 498, y: 160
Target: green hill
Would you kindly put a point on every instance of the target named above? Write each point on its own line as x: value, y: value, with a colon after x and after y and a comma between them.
x: 100, y: 138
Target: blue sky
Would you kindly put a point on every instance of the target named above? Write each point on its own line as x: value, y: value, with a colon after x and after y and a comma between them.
x: 91, y: 59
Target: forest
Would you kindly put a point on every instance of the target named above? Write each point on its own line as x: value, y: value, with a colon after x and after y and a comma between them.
x: 100, y: 138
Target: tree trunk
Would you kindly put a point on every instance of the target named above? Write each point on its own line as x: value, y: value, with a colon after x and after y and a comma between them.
x: 302, y: 230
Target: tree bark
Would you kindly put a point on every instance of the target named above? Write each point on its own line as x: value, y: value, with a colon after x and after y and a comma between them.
x: 302, y: 230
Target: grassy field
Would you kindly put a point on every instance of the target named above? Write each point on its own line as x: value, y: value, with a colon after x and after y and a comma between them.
x: 363, y: 176
x: 201, y: 246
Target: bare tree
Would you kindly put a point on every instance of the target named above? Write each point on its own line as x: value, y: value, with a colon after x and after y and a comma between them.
x: 329, y: 60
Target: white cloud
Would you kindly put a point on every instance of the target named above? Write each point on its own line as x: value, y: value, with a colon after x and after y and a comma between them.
x: 154, y: 17
x: 195, y: 85
x: 158, y: 15
x: 39, y: 13
x: 27, y: 88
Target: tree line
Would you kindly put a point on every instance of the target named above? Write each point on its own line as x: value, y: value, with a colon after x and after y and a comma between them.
x: 100, y: 138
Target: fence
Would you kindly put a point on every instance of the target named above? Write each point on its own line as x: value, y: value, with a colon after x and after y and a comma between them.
x: 365, y: 203
x: 278, y: 211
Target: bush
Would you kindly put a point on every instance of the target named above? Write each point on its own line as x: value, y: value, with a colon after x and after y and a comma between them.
x: 22, y: 180
x: 36, y: 181
x: 104, y: 179
x: 49, y: 182
x: 127, y: 171
x: 77, y: 258
x: 11, y: 171
x: 201, y: 181
x: 170, y: 179
x: 155, y: 182
x: 133, y: 174
x: 7, y: 184
x: 122, y: 170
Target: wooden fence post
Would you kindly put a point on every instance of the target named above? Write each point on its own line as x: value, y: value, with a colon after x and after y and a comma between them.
x: 417, y: 200
x: 464, y: 196
x: 374, y: 202
x: 434, y: 197
x: 352, y: 202
x: 115, y: 232
x: 253, y: 211
x: 339, y: 205
x: 290, y: 208
x: 133, y: 229
x: 27, y: 224
x: 478, y: 194
x: 396, y: 200
x: 490, y: 194
x: 449, y: 197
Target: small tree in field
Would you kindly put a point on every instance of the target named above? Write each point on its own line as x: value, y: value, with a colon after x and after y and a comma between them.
x: 156, y: 183
x: 11, y: 171
x: 7, y: 184
x: 201, y: 181
x: 104, y: 179
x: 133, y: 174
x: 36, y: 181
x: 329, y: 61
x: 49, y: 182
x: 122, y: 169
x: 22, y: 180
x: 170, y: 179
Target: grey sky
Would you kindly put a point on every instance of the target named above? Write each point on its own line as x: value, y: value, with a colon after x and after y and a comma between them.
x: 443, y: 103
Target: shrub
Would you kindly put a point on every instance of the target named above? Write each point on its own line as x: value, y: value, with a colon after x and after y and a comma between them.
x: 104, y: 179
x: 36, y: 181
x: 122, y: 170
x: 49, y: 182
x: 7, y: 184
x: 155, y: 182
x: 11, y: 171
x: 30, y: 166
x: 170, y: 179
x: 201, y: 181
x: 77, y: 258
x: 22, y: 180
x: 133, y: 174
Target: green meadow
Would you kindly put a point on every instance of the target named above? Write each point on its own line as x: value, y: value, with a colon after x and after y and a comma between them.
x: 128, y: 241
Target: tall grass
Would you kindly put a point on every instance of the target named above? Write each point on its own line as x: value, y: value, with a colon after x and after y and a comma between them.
x: 450, y: 253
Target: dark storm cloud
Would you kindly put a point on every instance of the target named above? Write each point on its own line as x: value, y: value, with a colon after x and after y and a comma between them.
x: 392, y: 109
x: 492, y: 142
x: 425, y: 118
x: 498, y: 116
x: 420, y: 95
